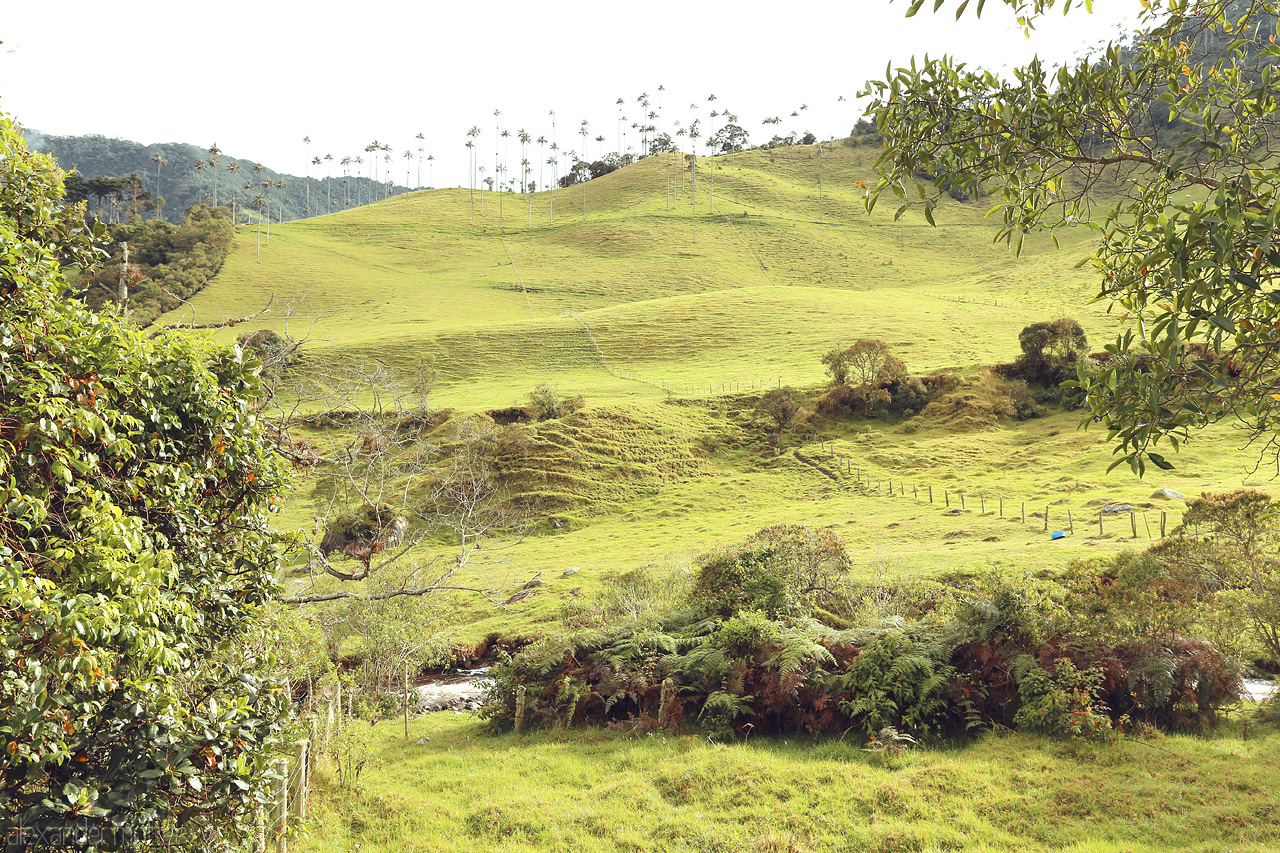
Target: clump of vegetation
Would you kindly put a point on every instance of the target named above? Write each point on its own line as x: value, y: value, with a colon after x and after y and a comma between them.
x: 167, y: 263
x: 546, y: 403
x: 1051, y: 354
x: 867, y: 378
x: 746, y: 655
x: 135, y: 559
x: 363, y: 532
x: 780, y: 406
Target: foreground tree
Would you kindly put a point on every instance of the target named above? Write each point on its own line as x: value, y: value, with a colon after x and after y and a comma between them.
x: 134, y: 556
x: 1179, y: 132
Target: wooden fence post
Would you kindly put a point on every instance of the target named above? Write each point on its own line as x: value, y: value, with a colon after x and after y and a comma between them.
x: 299, y: 781
x: 1146, y: 522
x: 1133, y: 523
x: 1071, y: 523
x: 315, y: 741
x: 1046, y: 518
x: 982, y: 503
x: 280, y: 806
x: 931, y: 494
x: 962, y: 501
x: 664, y: 699
x: 915, y: 493
x: 1163, y: 516
x: 520, y: 694
x: 1100, y: 531
x: 1024, y: 512
x: 1002, y: 506
x: 946, y: 496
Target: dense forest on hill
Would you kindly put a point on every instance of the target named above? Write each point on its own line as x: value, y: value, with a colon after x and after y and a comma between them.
x: 186, y: 177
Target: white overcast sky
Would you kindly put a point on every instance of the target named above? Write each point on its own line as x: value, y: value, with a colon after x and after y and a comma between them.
x: 257, y: 77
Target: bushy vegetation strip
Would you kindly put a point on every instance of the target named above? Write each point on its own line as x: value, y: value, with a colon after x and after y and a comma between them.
x: 773, y: 637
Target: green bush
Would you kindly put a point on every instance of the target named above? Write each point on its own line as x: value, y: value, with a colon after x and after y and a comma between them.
x: 137, y: 708
x: 547, y: 403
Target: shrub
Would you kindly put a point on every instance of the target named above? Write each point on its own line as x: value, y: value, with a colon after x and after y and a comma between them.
x: 1050, y: 351
x: 780, y: 570
x: 1065, y: 702
x: 746, y: 634
x: 780, y: 405
x: 136, y: 709
x: 363, y: 532
x: 547, y: 403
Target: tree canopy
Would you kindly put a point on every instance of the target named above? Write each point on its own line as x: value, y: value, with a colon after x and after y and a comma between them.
x: 134, y: 553
x: 1167, y: 147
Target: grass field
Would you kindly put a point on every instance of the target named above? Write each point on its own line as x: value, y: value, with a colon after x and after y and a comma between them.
x: 467, y: 789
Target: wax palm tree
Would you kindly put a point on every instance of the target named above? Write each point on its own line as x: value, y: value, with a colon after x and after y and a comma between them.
x: 359, y: 161
x: 481, y: 170
x: 420, y: 150
x: 524, y: 138
x: 643, y: 101
x: 542, y: 140
x: 200, y: 167
x: 497, y: 136
x: 386, y: 157
x: 328, y: 185
x: 259, y: 201
x: 582, y: 131
x: 214, y: 152
x: 306, y: 140
x: 621, y: 118
x: 524, y: 187
x: 158, y: 159
x: 346, y: 173
x: 551, y: 195
x: 408, y: 161
x: 431, y: 160
x: 472, y: 135
x: 234, y: 169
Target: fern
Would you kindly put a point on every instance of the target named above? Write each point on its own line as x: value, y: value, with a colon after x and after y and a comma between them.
x: 797, y: 651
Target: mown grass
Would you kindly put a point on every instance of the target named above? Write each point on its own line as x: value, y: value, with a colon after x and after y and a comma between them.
x: 468, y: 789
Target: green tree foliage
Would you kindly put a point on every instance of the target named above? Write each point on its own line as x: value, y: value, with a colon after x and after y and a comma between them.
x: 868, y: 377
x: 786, y: 569
x: 1224, y: 555
x: 167, y: 263
x: 134, y: 557
x: 780, y: 405
x: 1051, y: 351
x: 547, y: 403
x: 1186, y: 251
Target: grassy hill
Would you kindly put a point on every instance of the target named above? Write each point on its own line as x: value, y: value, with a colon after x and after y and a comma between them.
x: 668, y: 317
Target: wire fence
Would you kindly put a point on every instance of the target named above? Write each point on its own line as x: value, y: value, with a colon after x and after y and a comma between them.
x: 1055, y: 517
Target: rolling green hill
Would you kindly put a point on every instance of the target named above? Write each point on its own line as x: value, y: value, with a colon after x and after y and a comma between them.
x: 668, y: 319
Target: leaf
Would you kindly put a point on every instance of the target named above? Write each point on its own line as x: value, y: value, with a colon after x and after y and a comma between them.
x: 1160, y: 462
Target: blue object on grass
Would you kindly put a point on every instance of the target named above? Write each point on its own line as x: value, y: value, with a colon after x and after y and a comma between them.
x: 1058, y: 535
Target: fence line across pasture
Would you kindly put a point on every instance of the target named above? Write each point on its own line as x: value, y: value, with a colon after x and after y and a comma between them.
x: 886, y: 486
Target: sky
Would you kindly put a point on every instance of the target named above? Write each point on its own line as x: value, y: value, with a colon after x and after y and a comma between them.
x: 256, y: 78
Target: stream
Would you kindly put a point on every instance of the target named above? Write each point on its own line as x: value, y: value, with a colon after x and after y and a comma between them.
x: 462, y: 690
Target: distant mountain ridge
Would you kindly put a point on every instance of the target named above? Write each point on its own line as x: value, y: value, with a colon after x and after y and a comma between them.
x: 182, y: 184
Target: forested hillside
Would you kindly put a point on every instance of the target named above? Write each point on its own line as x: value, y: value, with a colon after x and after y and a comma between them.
x: 181, y: 175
